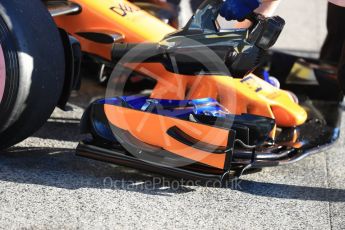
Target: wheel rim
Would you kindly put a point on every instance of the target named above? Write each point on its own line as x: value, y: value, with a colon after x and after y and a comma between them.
x: 2, y: 74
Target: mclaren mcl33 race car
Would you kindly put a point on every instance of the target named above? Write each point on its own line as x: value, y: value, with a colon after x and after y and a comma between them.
x: 215, y: 111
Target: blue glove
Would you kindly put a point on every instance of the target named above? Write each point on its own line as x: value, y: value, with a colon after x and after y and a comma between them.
x: 238, y: 9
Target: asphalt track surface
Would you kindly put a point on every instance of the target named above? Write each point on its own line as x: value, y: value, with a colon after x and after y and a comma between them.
x: 44, y: 185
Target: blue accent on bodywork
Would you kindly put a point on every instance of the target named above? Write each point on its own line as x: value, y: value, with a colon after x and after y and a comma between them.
x: 171, y: 108
x: 266, y: 75
x: 103, y: 130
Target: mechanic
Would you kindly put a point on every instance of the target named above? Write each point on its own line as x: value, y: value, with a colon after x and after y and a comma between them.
x: 333, y: 49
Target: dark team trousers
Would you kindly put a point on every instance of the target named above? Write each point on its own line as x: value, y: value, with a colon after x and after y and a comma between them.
x: 341, y: 69
x: 333, y: 49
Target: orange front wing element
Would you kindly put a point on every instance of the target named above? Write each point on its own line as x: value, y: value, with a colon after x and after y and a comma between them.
x: 152, y: 129
x: 287, y: 112
x: 248, y: 95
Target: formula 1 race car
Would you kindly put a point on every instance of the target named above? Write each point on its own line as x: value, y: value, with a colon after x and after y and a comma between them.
x: 198, y: 122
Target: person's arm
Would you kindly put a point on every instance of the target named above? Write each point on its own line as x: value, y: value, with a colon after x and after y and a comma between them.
x: 267, y: 8
x: 240, y: 9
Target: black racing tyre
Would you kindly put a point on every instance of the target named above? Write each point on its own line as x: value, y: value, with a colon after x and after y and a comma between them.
x: 32, y: 68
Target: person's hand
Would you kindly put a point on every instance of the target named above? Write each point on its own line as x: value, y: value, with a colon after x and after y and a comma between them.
x: 238, y: 9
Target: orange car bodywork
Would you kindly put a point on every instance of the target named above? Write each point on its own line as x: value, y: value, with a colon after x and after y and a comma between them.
x: 248, y: 95
x: 150, y: 128
x: 238, y: 95
x: 112, y: 17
